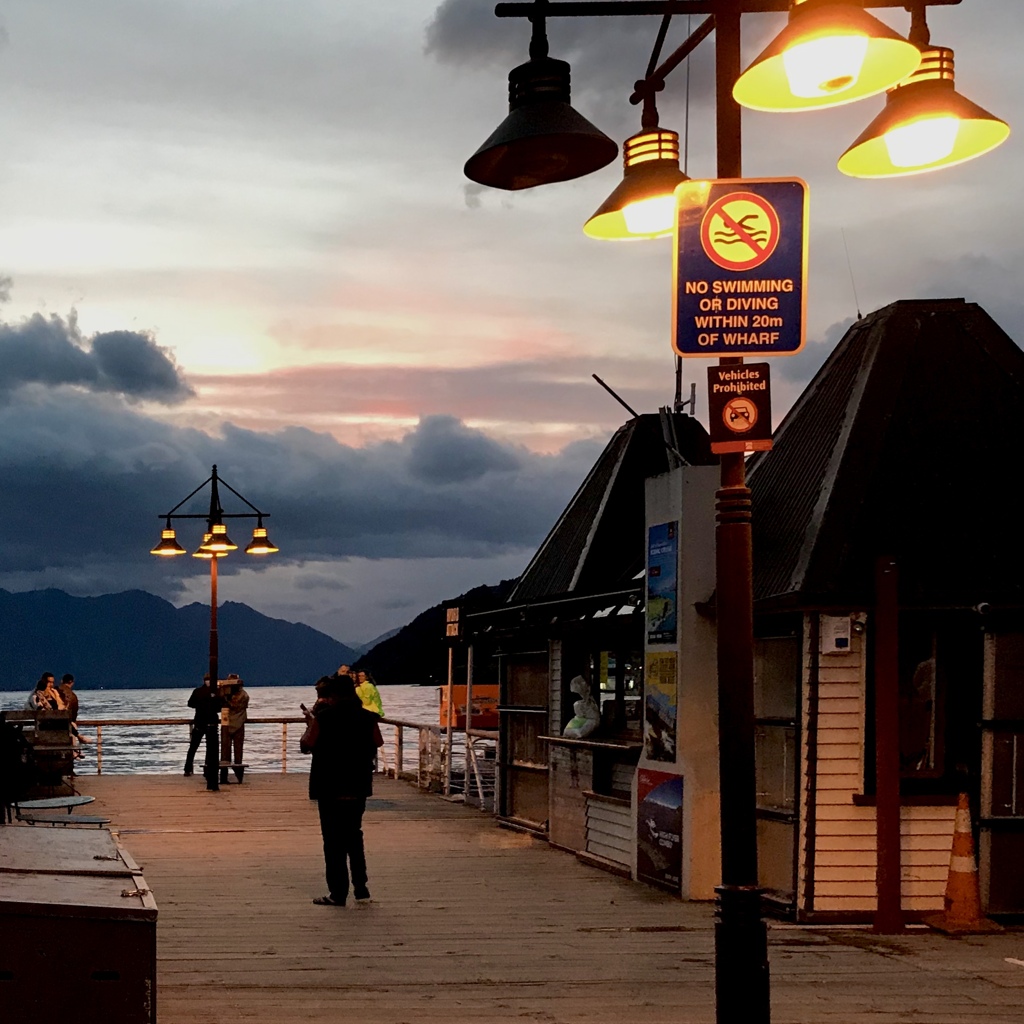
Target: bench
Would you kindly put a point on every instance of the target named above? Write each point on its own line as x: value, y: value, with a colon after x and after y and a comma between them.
x: 87, y: 820
x: 226, y: 765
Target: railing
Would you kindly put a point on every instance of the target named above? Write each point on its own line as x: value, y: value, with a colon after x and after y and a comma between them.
x: 472, y: 756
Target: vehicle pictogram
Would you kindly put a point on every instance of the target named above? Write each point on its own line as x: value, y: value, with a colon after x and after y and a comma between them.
x: 739, y: 415
x: 740, y: 231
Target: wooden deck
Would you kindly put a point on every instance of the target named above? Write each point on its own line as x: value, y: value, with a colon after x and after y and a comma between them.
x: 474, y: 923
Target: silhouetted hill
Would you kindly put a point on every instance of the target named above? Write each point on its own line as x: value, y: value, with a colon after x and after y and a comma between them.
x: 135, y: 639
x: 418, y: 652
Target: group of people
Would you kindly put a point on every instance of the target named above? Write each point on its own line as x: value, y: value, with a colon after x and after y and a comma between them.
x: 46, y: 695
x: 206, y: 702
x: 343, y: 735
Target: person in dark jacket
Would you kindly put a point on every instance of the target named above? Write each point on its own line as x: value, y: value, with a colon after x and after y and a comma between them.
x: 340, y: 780
x: 206, y: 703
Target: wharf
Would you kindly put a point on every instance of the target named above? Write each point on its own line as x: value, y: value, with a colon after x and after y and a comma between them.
x: 474, y: 923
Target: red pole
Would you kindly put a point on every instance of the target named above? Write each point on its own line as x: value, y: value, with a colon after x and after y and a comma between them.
x: 212, y: 768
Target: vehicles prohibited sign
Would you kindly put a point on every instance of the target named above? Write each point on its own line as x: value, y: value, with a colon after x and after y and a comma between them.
x: 741, y: 267
x: 739, y: 407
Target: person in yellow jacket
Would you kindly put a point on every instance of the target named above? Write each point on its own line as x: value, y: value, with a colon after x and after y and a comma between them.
x: 367, y: 692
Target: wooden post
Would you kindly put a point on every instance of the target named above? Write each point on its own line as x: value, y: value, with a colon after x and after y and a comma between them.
x: 99, y: 749
x: 889, y: 912
x: 284, y: 747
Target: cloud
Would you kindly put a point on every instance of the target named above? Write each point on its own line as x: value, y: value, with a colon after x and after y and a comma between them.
x: 51, y: 351
x: 443, y: 451
x: 86, y: 481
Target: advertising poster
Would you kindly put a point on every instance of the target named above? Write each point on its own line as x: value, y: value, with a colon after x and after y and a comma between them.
x: 660, y: 707
x: 662, y: 559
x: 659, y: 832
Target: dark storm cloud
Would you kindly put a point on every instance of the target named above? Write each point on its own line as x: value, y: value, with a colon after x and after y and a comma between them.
x: 85, y: 482
x: 444, y: 451
x: 52, y: 351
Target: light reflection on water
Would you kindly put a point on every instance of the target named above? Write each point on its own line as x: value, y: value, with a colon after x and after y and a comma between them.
x: 161, y: 749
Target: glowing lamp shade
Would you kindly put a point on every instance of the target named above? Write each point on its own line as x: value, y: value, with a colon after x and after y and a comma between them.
x: 168, y: 546
x: 926, y: 125
x: 261, y: 544
x: 543, y: 139
x: 204, y: 552
x: 643, y: 204
x: 830, y: 53
x: 217, y: 540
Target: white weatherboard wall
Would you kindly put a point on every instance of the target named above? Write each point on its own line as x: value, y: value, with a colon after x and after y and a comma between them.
x: 687, y: 496
x: 844, y: 870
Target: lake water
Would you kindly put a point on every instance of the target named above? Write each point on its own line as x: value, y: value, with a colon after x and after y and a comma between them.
x: 161, y: 749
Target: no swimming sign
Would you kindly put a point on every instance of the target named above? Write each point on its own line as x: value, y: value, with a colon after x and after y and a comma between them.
x: 740, y: 278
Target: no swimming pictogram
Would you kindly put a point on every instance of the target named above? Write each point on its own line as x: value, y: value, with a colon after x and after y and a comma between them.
x: 740, y: 231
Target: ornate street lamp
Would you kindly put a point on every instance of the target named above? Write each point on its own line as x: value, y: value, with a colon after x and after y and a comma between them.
x: 216, y: 544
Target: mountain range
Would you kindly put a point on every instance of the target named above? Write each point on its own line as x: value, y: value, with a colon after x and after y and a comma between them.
x: 137, y: 640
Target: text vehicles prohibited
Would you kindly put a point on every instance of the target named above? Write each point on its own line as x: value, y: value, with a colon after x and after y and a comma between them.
x: 740, y: 282
x: 740, y: 407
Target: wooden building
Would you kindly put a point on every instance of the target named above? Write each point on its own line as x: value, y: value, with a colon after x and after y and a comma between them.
x: 578, y: 609
x: 882, y: 505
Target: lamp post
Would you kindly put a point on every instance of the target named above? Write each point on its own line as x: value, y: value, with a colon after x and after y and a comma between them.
x: 216, y: 544
x: 831, y: 52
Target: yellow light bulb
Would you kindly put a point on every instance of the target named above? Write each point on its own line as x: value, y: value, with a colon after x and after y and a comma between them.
x: 922, y: 142
x: 651, y: 217
x: 826, y: 66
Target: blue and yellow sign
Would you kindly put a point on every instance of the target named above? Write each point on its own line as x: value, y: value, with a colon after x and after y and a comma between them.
x: 740, y: 267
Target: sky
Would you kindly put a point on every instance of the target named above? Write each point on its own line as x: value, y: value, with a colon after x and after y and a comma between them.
x: 240, y: 234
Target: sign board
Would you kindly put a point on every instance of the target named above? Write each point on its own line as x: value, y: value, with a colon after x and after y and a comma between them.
x: 451, y: 622
x: 740, y: 407
x: 740, y: 281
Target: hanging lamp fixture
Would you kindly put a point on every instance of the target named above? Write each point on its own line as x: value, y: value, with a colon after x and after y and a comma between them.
x: 217, y: 540
x: 926, y: 124
x: 260, y: 544
x: 543, y: 139
x: 168, y: 545
x: 832, y: 52
x: 643, y: 204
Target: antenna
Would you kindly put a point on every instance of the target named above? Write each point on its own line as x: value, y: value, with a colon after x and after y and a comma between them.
x: 853, y: 283
x: 632, y: 412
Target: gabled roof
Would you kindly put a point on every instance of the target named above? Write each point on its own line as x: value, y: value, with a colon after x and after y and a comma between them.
x: 901, y: 445
x: 597, y: 544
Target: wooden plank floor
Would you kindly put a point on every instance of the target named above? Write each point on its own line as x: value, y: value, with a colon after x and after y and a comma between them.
x: 474, y: 923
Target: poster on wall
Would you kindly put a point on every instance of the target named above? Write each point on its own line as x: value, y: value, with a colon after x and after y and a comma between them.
x: 659, y: 828
x: 660, y: 707
x: 662, y: 559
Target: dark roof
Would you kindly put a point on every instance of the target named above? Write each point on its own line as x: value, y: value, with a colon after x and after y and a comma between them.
x: 899, y: 446
x: 597, y: 544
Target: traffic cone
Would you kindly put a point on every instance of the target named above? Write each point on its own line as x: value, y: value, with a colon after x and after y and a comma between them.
x: 962, y: 915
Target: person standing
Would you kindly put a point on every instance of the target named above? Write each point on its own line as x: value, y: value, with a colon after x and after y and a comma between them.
x: 368, y: 694
x: 68, y: 695
x: 237, y: 701
x: 340, y: 780
x: 206, y: 703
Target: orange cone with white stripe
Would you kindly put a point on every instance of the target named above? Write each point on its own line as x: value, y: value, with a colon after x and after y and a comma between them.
x: 962, y: 915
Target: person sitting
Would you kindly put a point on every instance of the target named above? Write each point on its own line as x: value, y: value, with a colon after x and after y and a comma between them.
x: 45, y: 696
